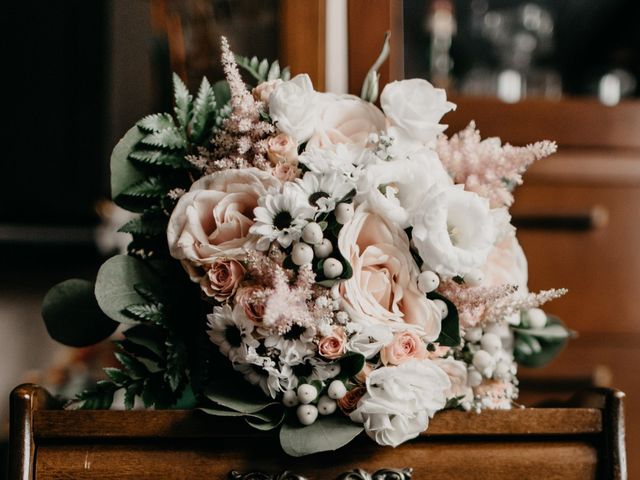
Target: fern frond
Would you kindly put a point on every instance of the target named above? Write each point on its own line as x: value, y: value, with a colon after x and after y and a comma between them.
x: 156, y: 122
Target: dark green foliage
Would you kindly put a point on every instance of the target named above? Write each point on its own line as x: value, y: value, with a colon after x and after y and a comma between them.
x: 450, y: 329
x: 263, y: 71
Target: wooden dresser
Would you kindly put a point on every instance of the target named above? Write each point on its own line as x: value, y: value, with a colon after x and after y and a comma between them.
x: 579, y: 216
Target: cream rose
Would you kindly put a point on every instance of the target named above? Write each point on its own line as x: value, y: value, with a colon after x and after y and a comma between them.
x: 222, y: 278
x: 333, y: 346
x: 383, y: 288
x: 400, y: 400
x: 282, y: 149
x: 416, y: 107
x: 213, y: 218
x: 293, y: 107
x: 263, y: 91
x: 404, y: 346
x: 345, y: 119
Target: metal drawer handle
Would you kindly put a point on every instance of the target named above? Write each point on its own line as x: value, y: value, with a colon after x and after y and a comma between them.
x: 591, y: 219
x: 357, y: 474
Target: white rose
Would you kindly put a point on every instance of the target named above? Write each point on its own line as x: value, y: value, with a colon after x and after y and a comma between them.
x: 507, y: 264
x: 345, y: 119
x: 293, y: 107
x: 395, y: 188
x: 370, y: 340
x: 383, y: 288
x: 400, y: 400
x: 416, y: 106
x: 453, y: 230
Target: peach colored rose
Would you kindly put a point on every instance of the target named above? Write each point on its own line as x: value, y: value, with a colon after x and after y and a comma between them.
x: 383, y: 288
x: 405, y: 346
x: 282, y: 149
x: 345, y: 119
x: 253, y: 306
x: 333, y: 346
x: 286, y: 172
x: 263, y: 91
x: 349, y: 402
x: 222, y: 278
x: 213, y: 218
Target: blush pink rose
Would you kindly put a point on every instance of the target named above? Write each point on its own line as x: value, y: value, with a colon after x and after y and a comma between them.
x: 252, y: 303
x: 222, y: 278
x: 383, y: 288
x: 286, y: 172
x: 333, y: 346
x: 404, y: 346
x: 213, y: 218
x: 282, y: 149
x: 345, y: 119
x: 263, y: 91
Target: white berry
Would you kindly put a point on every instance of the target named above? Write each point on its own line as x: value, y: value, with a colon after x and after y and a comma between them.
x: 336, y: 390
x: 307, y: 414
x: 307, y: 393
x: 474, y: 278
x: 483, y: 361
x: 344, y: 213
x: 326, y: 405
x: 312, y: 233
x: 323, y: 249
x: 537, y: 318
x: 332, y: 268
x: 491, y: 343
x: 473, y: 334
x: 334, y: 370
x: 442, y: 306
x: 301, y: 254
x: 474, y: 378
x: 428, y: 281
x: 290, y: 398
x: 502, y: 370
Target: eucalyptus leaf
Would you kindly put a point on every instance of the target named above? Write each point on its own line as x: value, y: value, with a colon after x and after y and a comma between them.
x: 326, y: 434
x: 72, y: 316
x: 222, y: 93
x: 123, y: 172
x: 115, y: 286
x: 538, y: 347
x: 236, y: 394
x: 351, y: 365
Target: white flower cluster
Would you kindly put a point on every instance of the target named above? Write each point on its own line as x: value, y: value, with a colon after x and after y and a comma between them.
x: 337, y: 255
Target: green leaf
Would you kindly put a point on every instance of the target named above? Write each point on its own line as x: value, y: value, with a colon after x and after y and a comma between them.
x: 182, y: 99
x: 150, y: 338
x: 204, y: 110
x: 100, y: 397
x: 176, y: 363
x: 123, y: 173
x: 174, y: 160
x: 147, y: 312
x: 146, y: 225
x: 116, y: 375
x: 274, y: 71
x: 170, y: 138
x: 222, y: 93
x: 134, y: 368
x: 538, y: 347
x: 151, y: 187
x: 72, y: 316
x: 450, y: 327
x: 115, y: 285
x: 156, y: 122
x: 262, y: 71
x: 236, y: 394
x: 351, y: 365
x: 326, y: 434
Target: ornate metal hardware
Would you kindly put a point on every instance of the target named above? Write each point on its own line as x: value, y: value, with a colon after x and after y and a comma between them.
x: 357, y: 474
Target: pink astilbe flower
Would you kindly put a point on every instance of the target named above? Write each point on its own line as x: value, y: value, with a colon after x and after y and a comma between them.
x: 241, y: 141
x: 487, y: 167
x: 473, y: 302
x: 512, y: 304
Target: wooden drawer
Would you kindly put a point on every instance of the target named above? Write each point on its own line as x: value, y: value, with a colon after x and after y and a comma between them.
x: 573, y: 442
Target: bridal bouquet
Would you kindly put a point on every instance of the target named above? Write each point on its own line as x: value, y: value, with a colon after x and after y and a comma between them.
x: 312, y: 263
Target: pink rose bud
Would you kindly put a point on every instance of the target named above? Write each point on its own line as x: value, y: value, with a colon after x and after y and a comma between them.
x: 404, y: 346
x: 222, y: 278
x: 333, y: 346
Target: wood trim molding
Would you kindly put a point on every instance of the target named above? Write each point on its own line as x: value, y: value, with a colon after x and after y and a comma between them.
x: 368, y: 22
x: 303, y: 37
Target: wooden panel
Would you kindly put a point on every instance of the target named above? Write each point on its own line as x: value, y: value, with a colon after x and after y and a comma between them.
x: 570, y: 122
x: 157, y: 424
x: 302, y: 38
x: 368, y: 22
x: 200, y: 460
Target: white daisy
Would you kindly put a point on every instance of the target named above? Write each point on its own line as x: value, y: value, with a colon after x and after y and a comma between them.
x: 232, y: 332
x: 295, y: 346
x: 323, y: 190
x: 280, y: 217
x: 263, y: 372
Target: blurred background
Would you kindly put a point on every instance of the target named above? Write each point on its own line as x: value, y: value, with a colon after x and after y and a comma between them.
x: 79, y: 74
